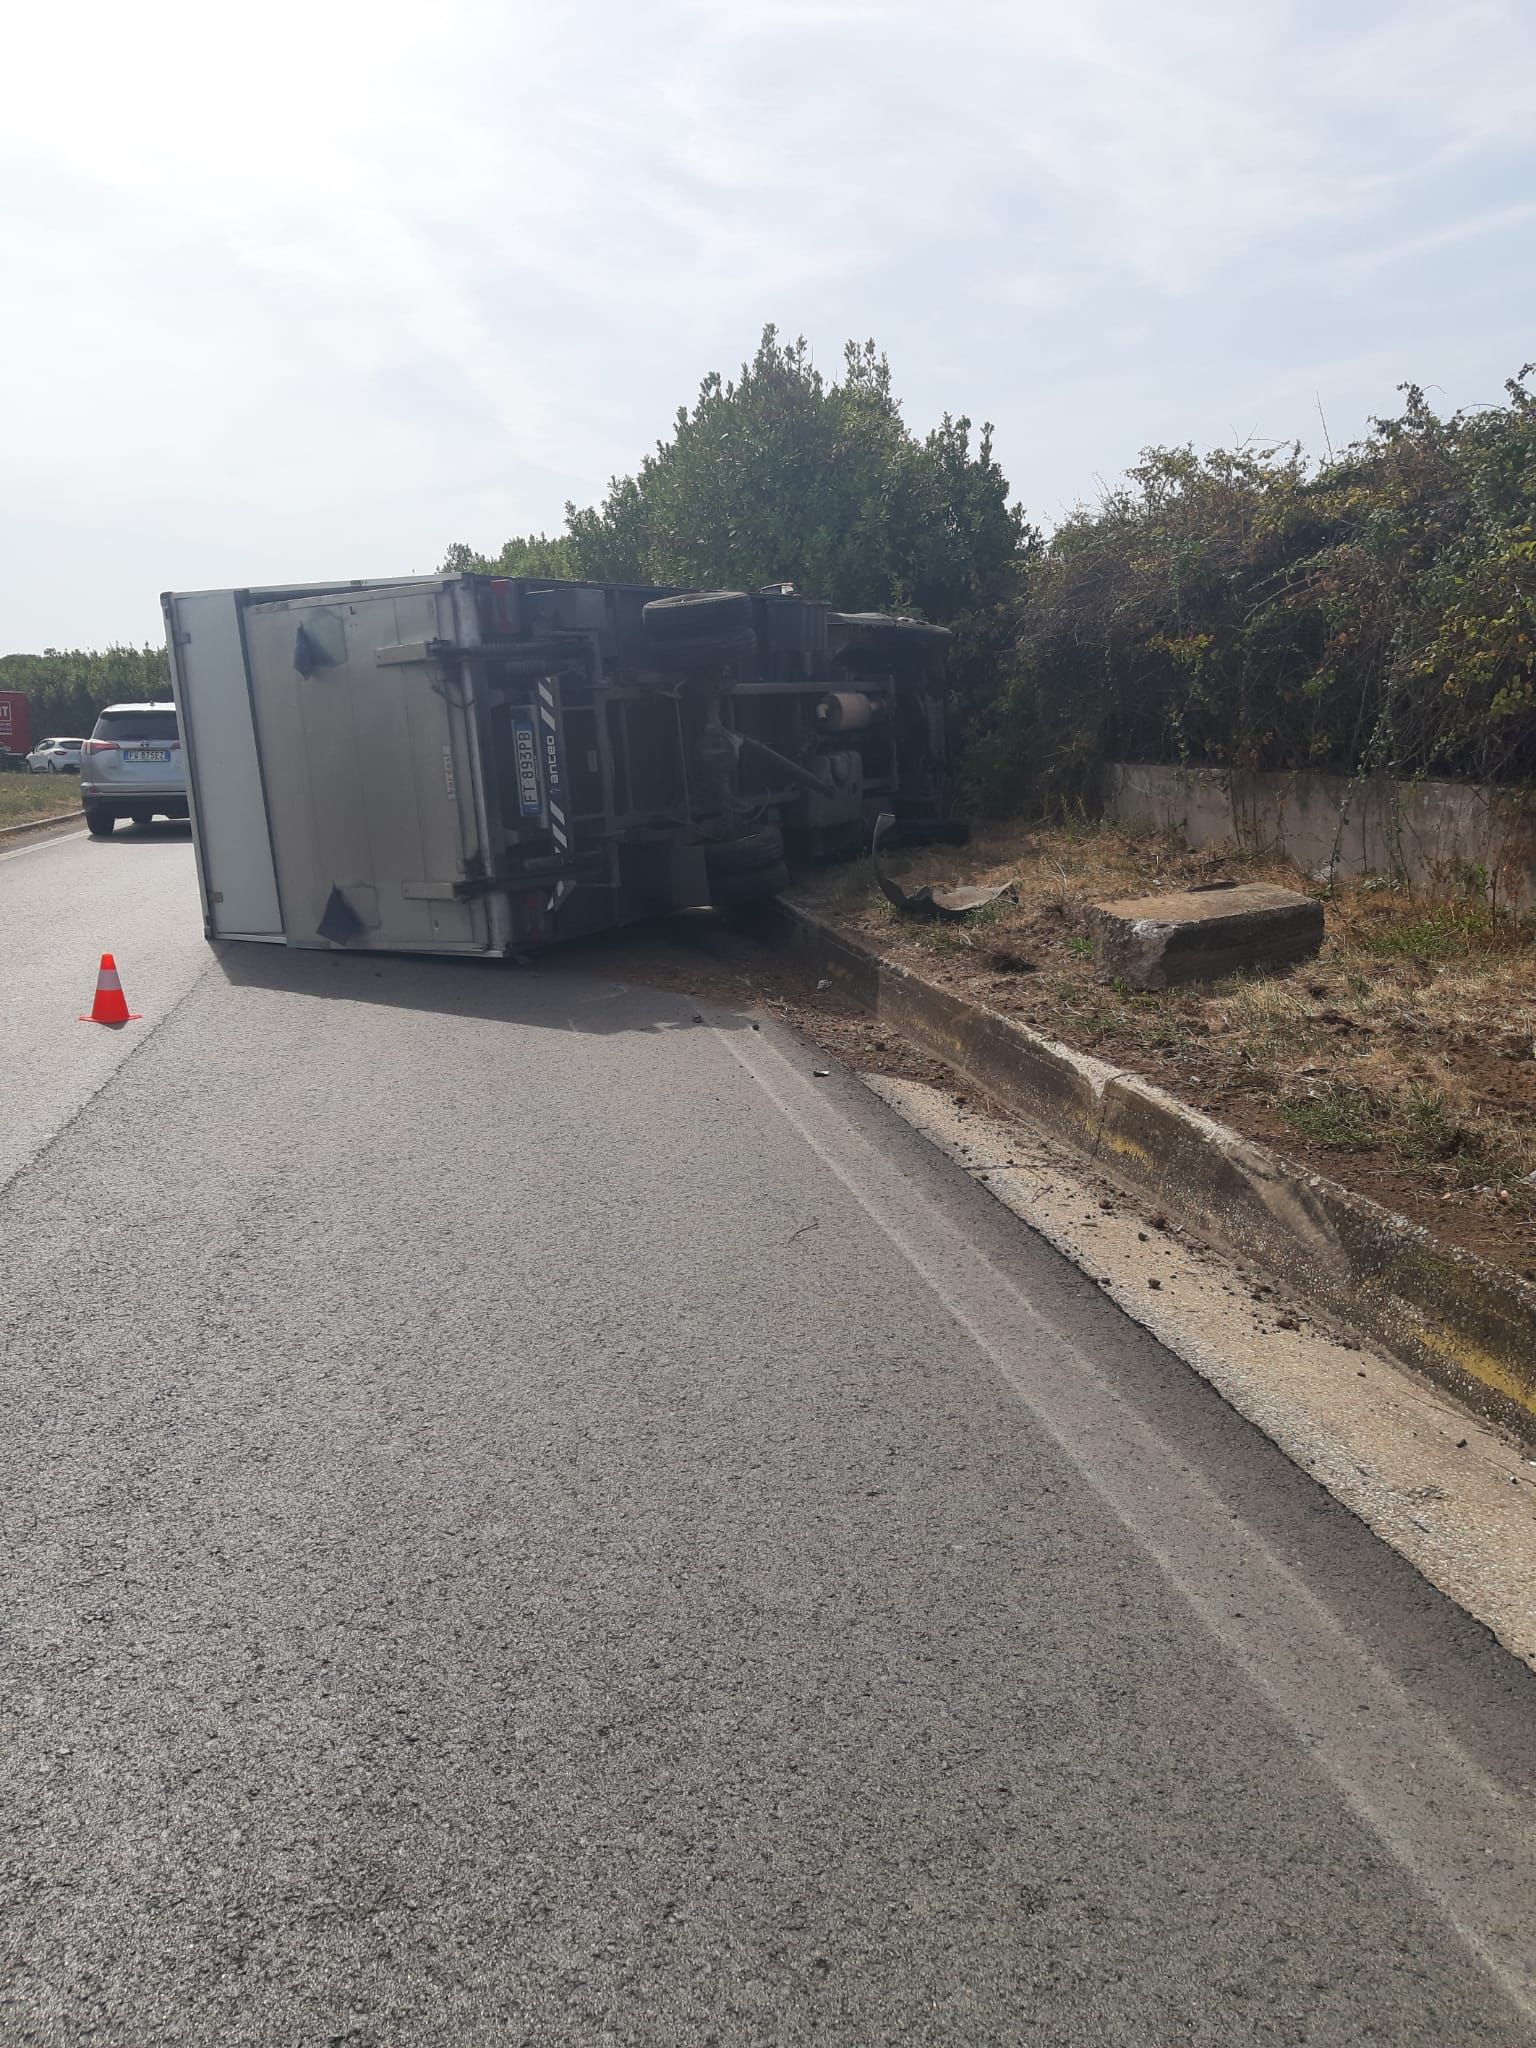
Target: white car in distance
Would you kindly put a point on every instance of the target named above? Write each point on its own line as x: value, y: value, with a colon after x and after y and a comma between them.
x: 55, y: 757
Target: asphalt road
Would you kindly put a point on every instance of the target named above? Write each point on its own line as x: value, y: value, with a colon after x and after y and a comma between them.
x: 64, y: 901
x: 530, y: 1518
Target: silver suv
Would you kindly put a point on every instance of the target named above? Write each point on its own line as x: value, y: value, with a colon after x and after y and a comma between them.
x: 131, y: 767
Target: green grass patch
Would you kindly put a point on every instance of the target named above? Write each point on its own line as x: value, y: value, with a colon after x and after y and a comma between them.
x: 1428, y: 1131
x: 1445, y: 931
x: 1344, y: 1118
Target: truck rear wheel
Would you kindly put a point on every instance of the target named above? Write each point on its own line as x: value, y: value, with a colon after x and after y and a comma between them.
x: 99, y: 823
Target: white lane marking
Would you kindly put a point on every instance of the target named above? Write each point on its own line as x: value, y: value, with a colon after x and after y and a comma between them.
x: 42, y: 845
x: 1463, y: 1839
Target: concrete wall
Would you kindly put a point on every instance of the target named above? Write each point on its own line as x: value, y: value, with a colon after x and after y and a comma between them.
x: 1432, y: 833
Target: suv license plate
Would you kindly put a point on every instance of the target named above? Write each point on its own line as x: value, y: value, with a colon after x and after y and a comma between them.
x: 146, y: 753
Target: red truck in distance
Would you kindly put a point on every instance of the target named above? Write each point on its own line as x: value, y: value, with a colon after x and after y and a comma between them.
x: 15, y: 729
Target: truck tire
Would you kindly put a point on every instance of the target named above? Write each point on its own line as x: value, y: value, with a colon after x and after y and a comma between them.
x: 761, y: 849
x: 726, y: 891
x: 714, y: 615
x: 99, y: 822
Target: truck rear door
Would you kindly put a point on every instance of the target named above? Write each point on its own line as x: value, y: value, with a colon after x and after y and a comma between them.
x: 229, y: 820
x: 370, y: 772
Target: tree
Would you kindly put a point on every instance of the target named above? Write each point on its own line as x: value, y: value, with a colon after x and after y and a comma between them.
x: 66, y: 688
x: 536, y: 555
x: 782, y: 475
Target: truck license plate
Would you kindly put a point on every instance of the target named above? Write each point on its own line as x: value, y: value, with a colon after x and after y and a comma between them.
x: 528, y: 798
x: 146, y: 753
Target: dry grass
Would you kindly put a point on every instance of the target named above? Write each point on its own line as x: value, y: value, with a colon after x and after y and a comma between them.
x: 1408, y: 1046
x: 23, y: 797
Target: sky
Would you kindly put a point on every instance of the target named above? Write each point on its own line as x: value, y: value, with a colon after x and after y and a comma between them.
x: 317, y: 289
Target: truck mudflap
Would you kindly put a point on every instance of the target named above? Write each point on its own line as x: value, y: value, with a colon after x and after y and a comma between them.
x: 530, y: 916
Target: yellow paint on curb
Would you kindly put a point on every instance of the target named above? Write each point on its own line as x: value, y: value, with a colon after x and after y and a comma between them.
x: 1470, y: 1358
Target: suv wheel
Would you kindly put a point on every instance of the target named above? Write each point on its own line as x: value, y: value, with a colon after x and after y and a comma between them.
x: 99, y: 822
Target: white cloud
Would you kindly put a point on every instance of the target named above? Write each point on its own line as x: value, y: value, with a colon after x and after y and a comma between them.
x: 324, y: 290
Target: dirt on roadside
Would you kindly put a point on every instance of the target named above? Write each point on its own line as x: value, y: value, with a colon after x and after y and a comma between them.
x: 1400, y: 1062
x: 708, y: 959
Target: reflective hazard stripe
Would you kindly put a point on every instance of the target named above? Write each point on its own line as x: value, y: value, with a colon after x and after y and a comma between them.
x: 554, y: 782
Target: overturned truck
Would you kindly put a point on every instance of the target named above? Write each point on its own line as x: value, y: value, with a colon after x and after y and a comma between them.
x: 478, y: 764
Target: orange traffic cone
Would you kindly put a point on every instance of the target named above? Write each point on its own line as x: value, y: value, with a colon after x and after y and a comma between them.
x: 110, y: 1006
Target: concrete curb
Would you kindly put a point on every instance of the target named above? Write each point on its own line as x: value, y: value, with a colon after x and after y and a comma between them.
x: 39, y: 824
x: 1470, y: 1324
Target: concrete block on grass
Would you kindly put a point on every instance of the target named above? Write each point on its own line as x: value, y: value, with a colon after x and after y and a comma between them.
x: 1202, y: 934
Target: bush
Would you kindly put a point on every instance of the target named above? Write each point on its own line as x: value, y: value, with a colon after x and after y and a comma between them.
x: 1375, y: 614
